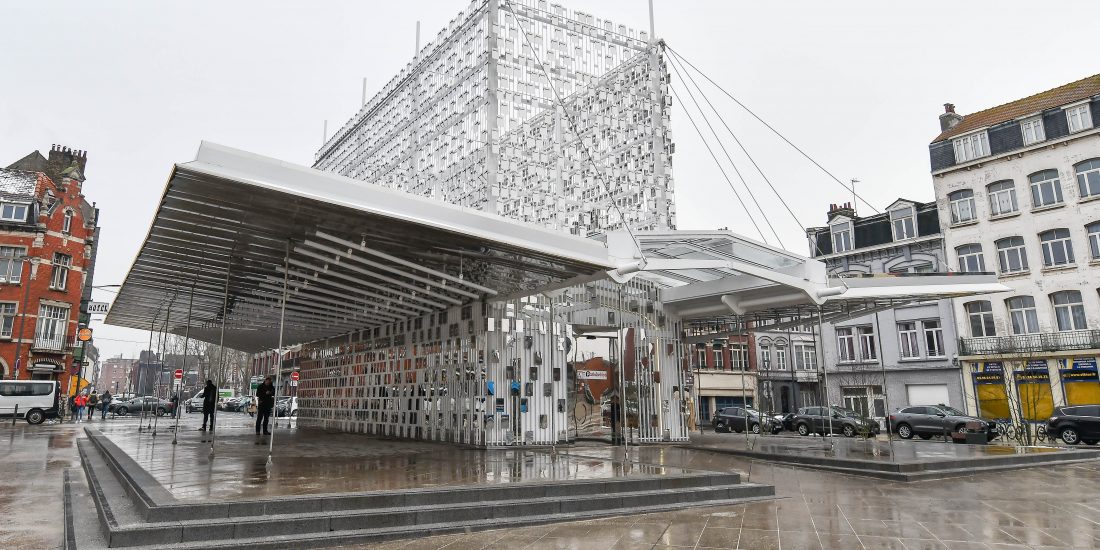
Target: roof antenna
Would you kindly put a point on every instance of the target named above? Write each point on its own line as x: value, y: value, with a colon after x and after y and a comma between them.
x: 855, y: 204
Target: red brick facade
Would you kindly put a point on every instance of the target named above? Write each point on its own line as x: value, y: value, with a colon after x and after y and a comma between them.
x: 40, y: 297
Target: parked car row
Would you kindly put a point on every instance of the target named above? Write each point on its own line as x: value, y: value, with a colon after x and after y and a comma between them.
x: 1072, y: 424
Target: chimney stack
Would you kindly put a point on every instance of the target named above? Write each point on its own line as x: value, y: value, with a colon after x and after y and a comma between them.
x: 841, y: 210
x: 949, y: 118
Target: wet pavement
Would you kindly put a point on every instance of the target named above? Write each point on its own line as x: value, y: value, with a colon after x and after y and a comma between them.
x: 1043, y: 507
x: 309, y: 462
x: 32, y: 460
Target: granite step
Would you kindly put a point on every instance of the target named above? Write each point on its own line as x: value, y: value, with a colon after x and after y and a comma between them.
x: 134, y: 511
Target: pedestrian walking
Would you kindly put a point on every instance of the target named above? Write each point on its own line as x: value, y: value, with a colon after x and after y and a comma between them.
x: 72, y: 407
x: 93, y: 402
x: 80, y: 401
x: 175, y: 404
x: 265, y: 395
x: 104, y: 404
x: 209, y: 403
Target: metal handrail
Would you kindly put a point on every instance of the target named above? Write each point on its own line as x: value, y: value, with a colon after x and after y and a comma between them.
x: 1031, y: 343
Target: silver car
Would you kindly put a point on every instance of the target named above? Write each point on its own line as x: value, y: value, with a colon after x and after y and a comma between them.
x: 926, y: 421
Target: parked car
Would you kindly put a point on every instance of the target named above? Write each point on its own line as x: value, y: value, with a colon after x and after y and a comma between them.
x: 926, y: 421
x: 786, y: 421
x: 137, y: 404
x: 843, y: 421
x: 195, y: 402
x: 1076, y: 424
x: 235, y: 404
x: 285, y: 402
x: 32, y: 400
x: 735, y: 419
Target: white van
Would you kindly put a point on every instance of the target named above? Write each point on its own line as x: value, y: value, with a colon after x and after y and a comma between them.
x: 37, y: 400
x: 195, y: 403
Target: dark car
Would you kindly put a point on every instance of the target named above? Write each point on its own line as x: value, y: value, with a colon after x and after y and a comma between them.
x: 736, y: 418
x: 926, y: 421
x: 786, y: 421
x: 1075, y: 424
x: 843, y: 421
x: 234, y: 404
x: 137, y: 404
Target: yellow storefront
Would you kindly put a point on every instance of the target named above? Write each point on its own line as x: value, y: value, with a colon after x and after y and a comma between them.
x: 1080, y: 383
x: 989, y: 391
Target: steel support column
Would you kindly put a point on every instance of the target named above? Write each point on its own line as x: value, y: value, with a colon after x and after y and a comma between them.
x: 186, y: 344
x: 221, y: 347
x: 279, y: 364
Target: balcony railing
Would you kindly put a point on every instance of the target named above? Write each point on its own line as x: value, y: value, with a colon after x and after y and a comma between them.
x: 52, y: 343
x: 1031, y: 343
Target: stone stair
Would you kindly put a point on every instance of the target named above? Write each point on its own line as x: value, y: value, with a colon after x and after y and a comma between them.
x: 131, y: 513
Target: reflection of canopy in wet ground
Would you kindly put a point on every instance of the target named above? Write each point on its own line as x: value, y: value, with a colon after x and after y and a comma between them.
x: 232, y: 226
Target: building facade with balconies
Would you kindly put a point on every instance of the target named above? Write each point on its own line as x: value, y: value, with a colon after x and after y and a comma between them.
x: 1018, y: 190
x: 47, y: 251
x: 786, y: 365
x: 896, y: 357
x: 720, y: 358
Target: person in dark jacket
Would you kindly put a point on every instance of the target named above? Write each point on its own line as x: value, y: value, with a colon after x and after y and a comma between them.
x: 209, y: 403
x: 265, y: 394
x: 105, y: 404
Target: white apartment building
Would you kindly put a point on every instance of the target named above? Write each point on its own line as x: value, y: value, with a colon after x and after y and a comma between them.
x: 1018, y: 192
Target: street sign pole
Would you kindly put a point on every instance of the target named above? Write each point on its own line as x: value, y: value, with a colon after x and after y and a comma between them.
x: 83, y: 334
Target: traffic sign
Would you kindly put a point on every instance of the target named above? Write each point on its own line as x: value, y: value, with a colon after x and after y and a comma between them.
x: 294, y: 376
x: 178, y: 374
x: 84, y: 334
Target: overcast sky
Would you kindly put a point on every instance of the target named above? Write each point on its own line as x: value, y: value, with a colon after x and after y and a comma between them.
x: 857, y: 85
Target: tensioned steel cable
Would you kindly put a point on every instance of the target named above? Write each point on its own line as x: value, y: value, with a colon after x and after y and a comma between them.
x: 576, y: 132
x: 769, y: 126
x: 728, y: 157
x: 760, y: 171
x: 723, y: 170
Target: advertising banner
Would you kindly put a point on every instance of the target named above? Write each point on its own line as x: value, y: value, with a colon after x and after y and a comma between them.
x: 1080, y: 382
x: 994, y: 366
x: 989, y: 378
x: 1033, y: 376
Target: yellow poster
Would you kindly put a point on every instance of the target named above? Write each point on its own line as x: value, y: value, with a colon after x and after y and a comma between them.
x: 1036, y: 401
x: 1082, y: 393
x: 992, y: 401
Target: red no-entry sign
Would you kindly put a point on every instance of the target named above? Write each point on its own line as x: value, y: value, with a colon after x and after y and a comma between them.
x: 294, y: 376
x: 178, y: 374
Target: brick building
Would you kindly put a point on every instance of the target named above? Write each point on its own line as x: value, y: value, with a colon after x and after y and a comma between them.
x: 114, y: 374
x: 47, y: 250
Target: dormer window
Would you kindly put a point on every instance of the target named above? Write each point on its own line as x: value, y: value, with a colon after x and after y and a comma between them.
x: 12, y: 212
x: 904, y: 223
x: 971, y: 146
x: 1079, y: 117
x: 67, y: 224
x: 842, y: 236
x: 1032, y: 129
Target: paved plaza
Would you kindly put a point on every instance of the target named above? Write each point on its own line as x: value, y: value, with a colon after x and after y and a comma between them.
x: 1042, y: 507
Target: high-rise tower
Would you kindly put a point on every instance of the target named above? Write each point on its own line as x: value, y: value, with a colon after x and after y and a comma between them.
x: 473, y: 120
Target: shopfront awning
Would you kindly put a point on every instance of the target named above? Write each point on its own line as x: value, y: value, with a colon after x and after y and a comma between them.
x: 231, y: 225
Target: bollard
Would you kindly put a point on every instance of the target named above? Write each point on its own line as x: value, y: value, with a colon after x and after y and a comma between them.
x: 15, y: 415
